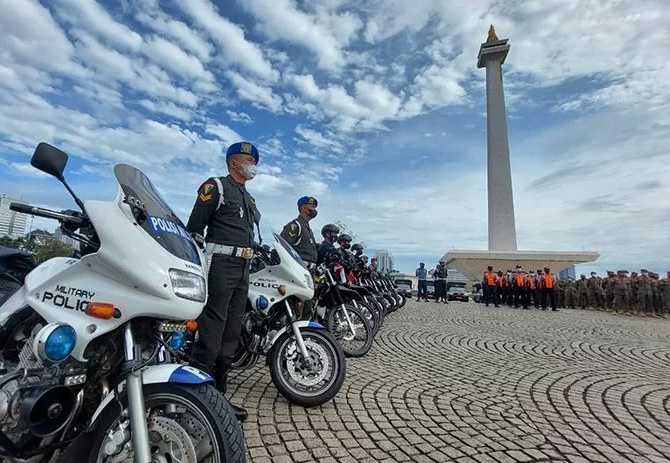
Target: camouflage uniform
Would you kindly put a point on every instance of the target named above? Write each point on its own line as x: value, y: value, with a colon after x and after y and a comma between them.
x: 633, y: 291
x: 571, y: 294
x: 664, y: 289
x: 609, y: 290
x: 621, y: 293
x: 645, y: 296
x: 582, y: 292
x: 592, y: 291
x: 656, y: 299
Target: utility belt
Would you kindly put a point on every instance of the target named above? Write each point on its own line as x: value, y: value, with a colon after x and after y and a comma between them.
x: 234, y: 251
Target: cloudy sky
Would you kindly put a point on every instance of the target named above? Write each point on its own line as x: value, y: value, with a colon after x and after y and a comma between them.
x: 376, y: 108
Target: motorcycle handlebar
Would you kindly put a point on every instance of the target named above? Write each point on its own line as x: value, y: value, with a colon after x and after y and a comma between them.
x: 49, y: 214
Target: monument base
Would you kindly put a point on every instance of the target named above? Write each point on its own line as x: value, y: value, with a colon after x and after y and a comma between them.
x: 474, y: 263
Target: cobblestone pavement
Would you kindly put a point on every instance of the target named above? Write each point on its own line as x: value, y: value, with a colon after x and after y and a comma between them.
x: 468, y: 384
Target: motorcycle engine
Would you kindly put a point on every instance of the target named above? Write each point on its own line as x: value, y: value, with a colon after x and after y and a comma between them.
x: 35, y: 398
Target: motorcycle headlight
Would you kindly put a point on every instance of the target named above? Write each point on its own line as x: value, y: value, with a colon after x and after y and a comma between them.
x: 188, y: 285
x: 54, y: 342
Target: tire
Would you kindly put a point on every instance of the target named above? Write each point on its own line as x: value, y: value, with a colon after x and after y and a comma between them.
x: 403, y: 300
x: 280, y: 375
x: 338, y: 327
x: 202, y: 399
x: 378, y: 308
x: 371, y: 316
x: 393, y: 304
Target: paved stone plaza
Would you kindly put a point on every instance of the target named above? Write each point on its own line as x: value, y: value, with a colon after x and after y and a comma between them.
x: 468, y: 384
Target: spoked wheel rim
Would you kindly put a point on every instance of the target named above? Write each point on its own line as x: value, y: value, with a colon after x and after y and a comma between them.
x: 351, y: 342
x: 179, y: 432
x: 367, y: 313
x: 299, y: 377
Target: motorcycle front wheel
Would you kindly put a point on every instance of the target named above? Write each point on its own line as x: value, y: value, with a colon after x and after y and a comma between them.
x: 307, y: 383
x: 187, y: 423
x: 356, y: 343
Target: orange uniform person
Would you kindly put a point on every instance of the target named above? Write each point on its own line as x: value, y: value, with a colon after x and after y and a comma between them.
x: 520, y: 288
x: 490, y: 287
x: 548, y: 283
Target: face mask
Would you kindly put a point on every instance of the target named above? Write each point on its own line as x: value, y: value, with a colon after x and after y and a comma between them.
x: 312, y: 213
x: 248, y: 171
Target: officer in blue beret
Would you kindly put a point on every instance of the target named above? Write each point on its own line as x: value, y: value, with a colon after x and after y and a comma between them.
x: 228, y: 213
x: 299, y: 234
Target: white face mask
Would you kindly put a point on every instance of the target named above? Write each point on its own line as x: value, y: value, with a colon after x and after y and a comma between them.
x: 248, y: 171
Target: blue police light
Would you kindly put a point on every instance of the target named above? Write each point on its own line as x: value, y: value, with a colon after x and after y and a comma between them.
x: 177, y: 340
x: 262, y: 303
x: 55, y: 342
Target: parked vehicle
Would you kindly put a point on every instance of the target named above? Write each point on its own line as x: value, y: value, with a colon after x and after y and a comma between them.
x: 306, y: 362
x: 458, y: 293
x: 87, y: 345
x: 335, y: 308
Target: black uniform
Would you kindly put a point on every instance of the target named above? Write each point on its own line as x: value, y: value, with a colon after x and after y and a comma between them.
x: 229, y: 221
x: 325, y: 250
x: 299, y: 235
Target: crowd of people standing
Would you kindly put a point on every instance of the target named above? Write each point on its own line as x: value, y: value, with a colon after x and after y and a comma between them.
x: 521, y: 289
x: 640, y: 293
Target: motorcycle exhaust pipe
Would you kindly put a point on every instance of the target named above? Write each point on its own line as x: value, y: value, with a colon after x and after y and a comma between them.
x: 45, y: 411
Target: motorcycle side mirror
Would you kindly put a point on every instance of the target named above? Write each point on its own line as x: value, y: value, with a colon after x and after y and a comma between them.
x: 52, y: 161
x: 49, y: 160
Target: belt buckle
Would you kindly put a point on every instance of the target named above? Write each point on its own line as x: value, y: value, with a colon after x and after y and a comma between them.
x: 247, y: 253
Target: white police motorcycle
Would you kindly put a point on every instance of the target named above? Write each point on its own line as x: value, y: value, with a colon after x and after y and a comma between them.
x: 306, y: 363
x: 86, y: 343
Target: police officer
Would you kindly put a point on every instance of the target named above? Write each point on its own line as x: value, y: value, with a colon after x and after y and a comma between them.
x: 357, y: 250
x: 329, y: 232
x: 348, y: 259
x: 299, y: 234
x: 226, y: 209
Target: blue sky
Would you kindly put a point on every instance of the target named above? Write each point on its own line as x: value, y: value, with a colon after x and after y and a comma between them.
x: 376, y: 108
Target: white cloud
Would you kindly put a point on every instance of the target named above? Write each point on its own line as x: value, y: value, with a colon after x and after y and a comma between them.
x: 260, y: 95
x: 235, y: 48
x: 31, y: 36
x: 153, y: 17
x: 173, y: 58
x: 239, y: 116
x: 318, y: 140
x: 167, y: 108
x: 90, y: 15
x: 224, y: 133
x: 325, y: 34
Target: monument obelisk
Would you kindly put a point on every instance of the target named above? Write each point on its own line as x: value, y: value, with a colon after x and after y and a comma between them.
x: 503, y: 253
x: 502, y: 230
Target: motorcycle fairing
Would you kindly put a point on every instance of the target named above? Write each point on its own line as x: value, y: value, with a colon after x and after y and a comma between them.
x: 264, y: 284
x: 130, y: 270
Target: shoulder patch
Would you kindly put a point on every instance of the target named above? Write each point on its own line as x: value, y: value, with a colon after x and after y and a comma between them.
x: 293, y: 229
x: 206, y: 192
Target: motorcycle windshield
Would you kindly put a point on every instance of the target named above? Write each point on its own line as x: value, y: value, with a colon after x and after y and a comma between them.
x: 154, y: 215
x: 289, y: 249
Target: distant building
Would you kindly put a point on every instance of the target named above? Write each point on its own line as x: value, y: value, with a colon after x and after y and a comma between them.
x: 12, y: 224
x: 384, y: 261
x: 41, y: 237
x: 567, y: 273
x: 58, y: 234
